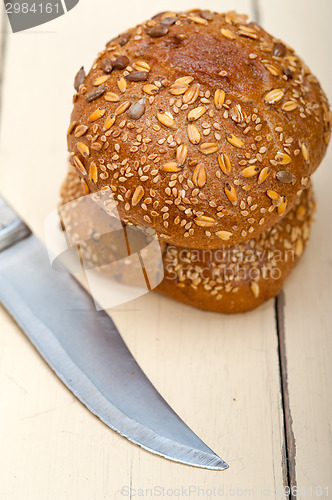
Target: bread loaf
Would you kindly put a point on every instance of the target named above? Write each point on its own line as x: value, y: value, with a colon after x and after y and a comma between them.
x: 227, y: 280
x: 200, y: 125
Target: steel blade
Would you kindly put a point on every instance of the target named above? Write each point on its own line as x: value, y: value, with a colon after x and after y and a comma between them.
x: 86, y: 351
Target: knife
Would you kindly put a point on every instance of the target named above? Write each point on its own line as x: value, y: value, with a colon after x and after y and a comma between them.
x: 86, y: 351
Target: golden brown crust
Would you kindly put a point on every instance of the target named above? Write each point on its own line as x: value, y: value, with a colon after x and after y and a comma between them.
x: 230, y: 280
x: 216, y: 137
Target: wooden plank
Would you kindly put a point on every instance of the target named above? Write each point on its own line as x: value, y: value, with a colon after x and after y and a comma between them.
x: 219, y: 373
x: 307, y: 313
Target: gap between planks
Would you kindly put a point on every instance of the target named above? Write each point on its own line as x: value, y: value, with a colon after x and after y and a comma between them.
x: 290, y: 445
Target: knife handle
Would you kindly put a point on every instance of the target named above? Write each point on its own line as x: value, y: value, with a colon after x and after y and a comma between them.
x: 12, y: 228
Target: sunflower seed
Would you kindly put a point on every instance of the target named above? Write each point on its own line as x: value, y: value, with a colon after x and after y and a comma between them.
x: 225, y: 164
x: 106, y: 65
x: 83, y: 149
x: 157, y: 31
x: 171, y: 167
x: 80, y: 130
x: 199, y: 176
x: 166, y: 119
x: 109, y: 122
x: 181, y: 154
x: 250, y: 171
x: 97, y: 113
x: 205, y: 221
x: 234, y: 141
x: 168, y: 21
x: 124, y: 39
x: 191, y: 94
x: 196, y: 113
x: 283, y: 158
x: 79, y: 79
x: 137, y: 76
x: 224, y: 235
x: 141, y: 66
x: 305, y: 152
x: 290, y: 106
x: 95, y: 93
x: 208, y: 148
x: 79, y: 165
x: 101, y: 79
x: 150, y: 89
x: 265, y: 172
x: 121, y: 39
x: 279, y: 50
x: 285, y: 177
x: 274, y: 96
x: 120, y: 62
x: 206, y: 14
x: 93, y: 172
x: 193, y: 134
x: 137, y: 109
x: 111, y: 97
x: 228, y: 33
x: 219, y: 98
x: 137, y: 196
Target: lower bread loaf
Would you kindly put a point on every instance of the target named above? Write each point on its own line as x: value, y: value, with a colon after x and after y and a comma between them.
x: 227, y: 280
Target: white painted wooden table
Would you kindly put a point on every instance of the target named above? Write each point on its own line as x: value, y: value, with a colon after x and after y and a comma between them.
x: 257, y: 391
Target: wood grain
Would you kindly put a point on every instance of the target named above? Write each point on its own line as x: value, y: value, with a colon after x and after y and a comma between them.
x: 307, y: 312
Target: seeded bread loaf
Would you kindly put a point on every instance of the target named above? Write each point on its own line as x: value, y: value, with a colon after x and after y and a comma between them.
x: 229, y: 280
x: 199, y: 124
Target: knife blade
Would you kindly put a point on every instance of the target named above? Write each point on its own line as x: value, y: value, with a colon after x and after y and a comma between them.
x: 86, y: 351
